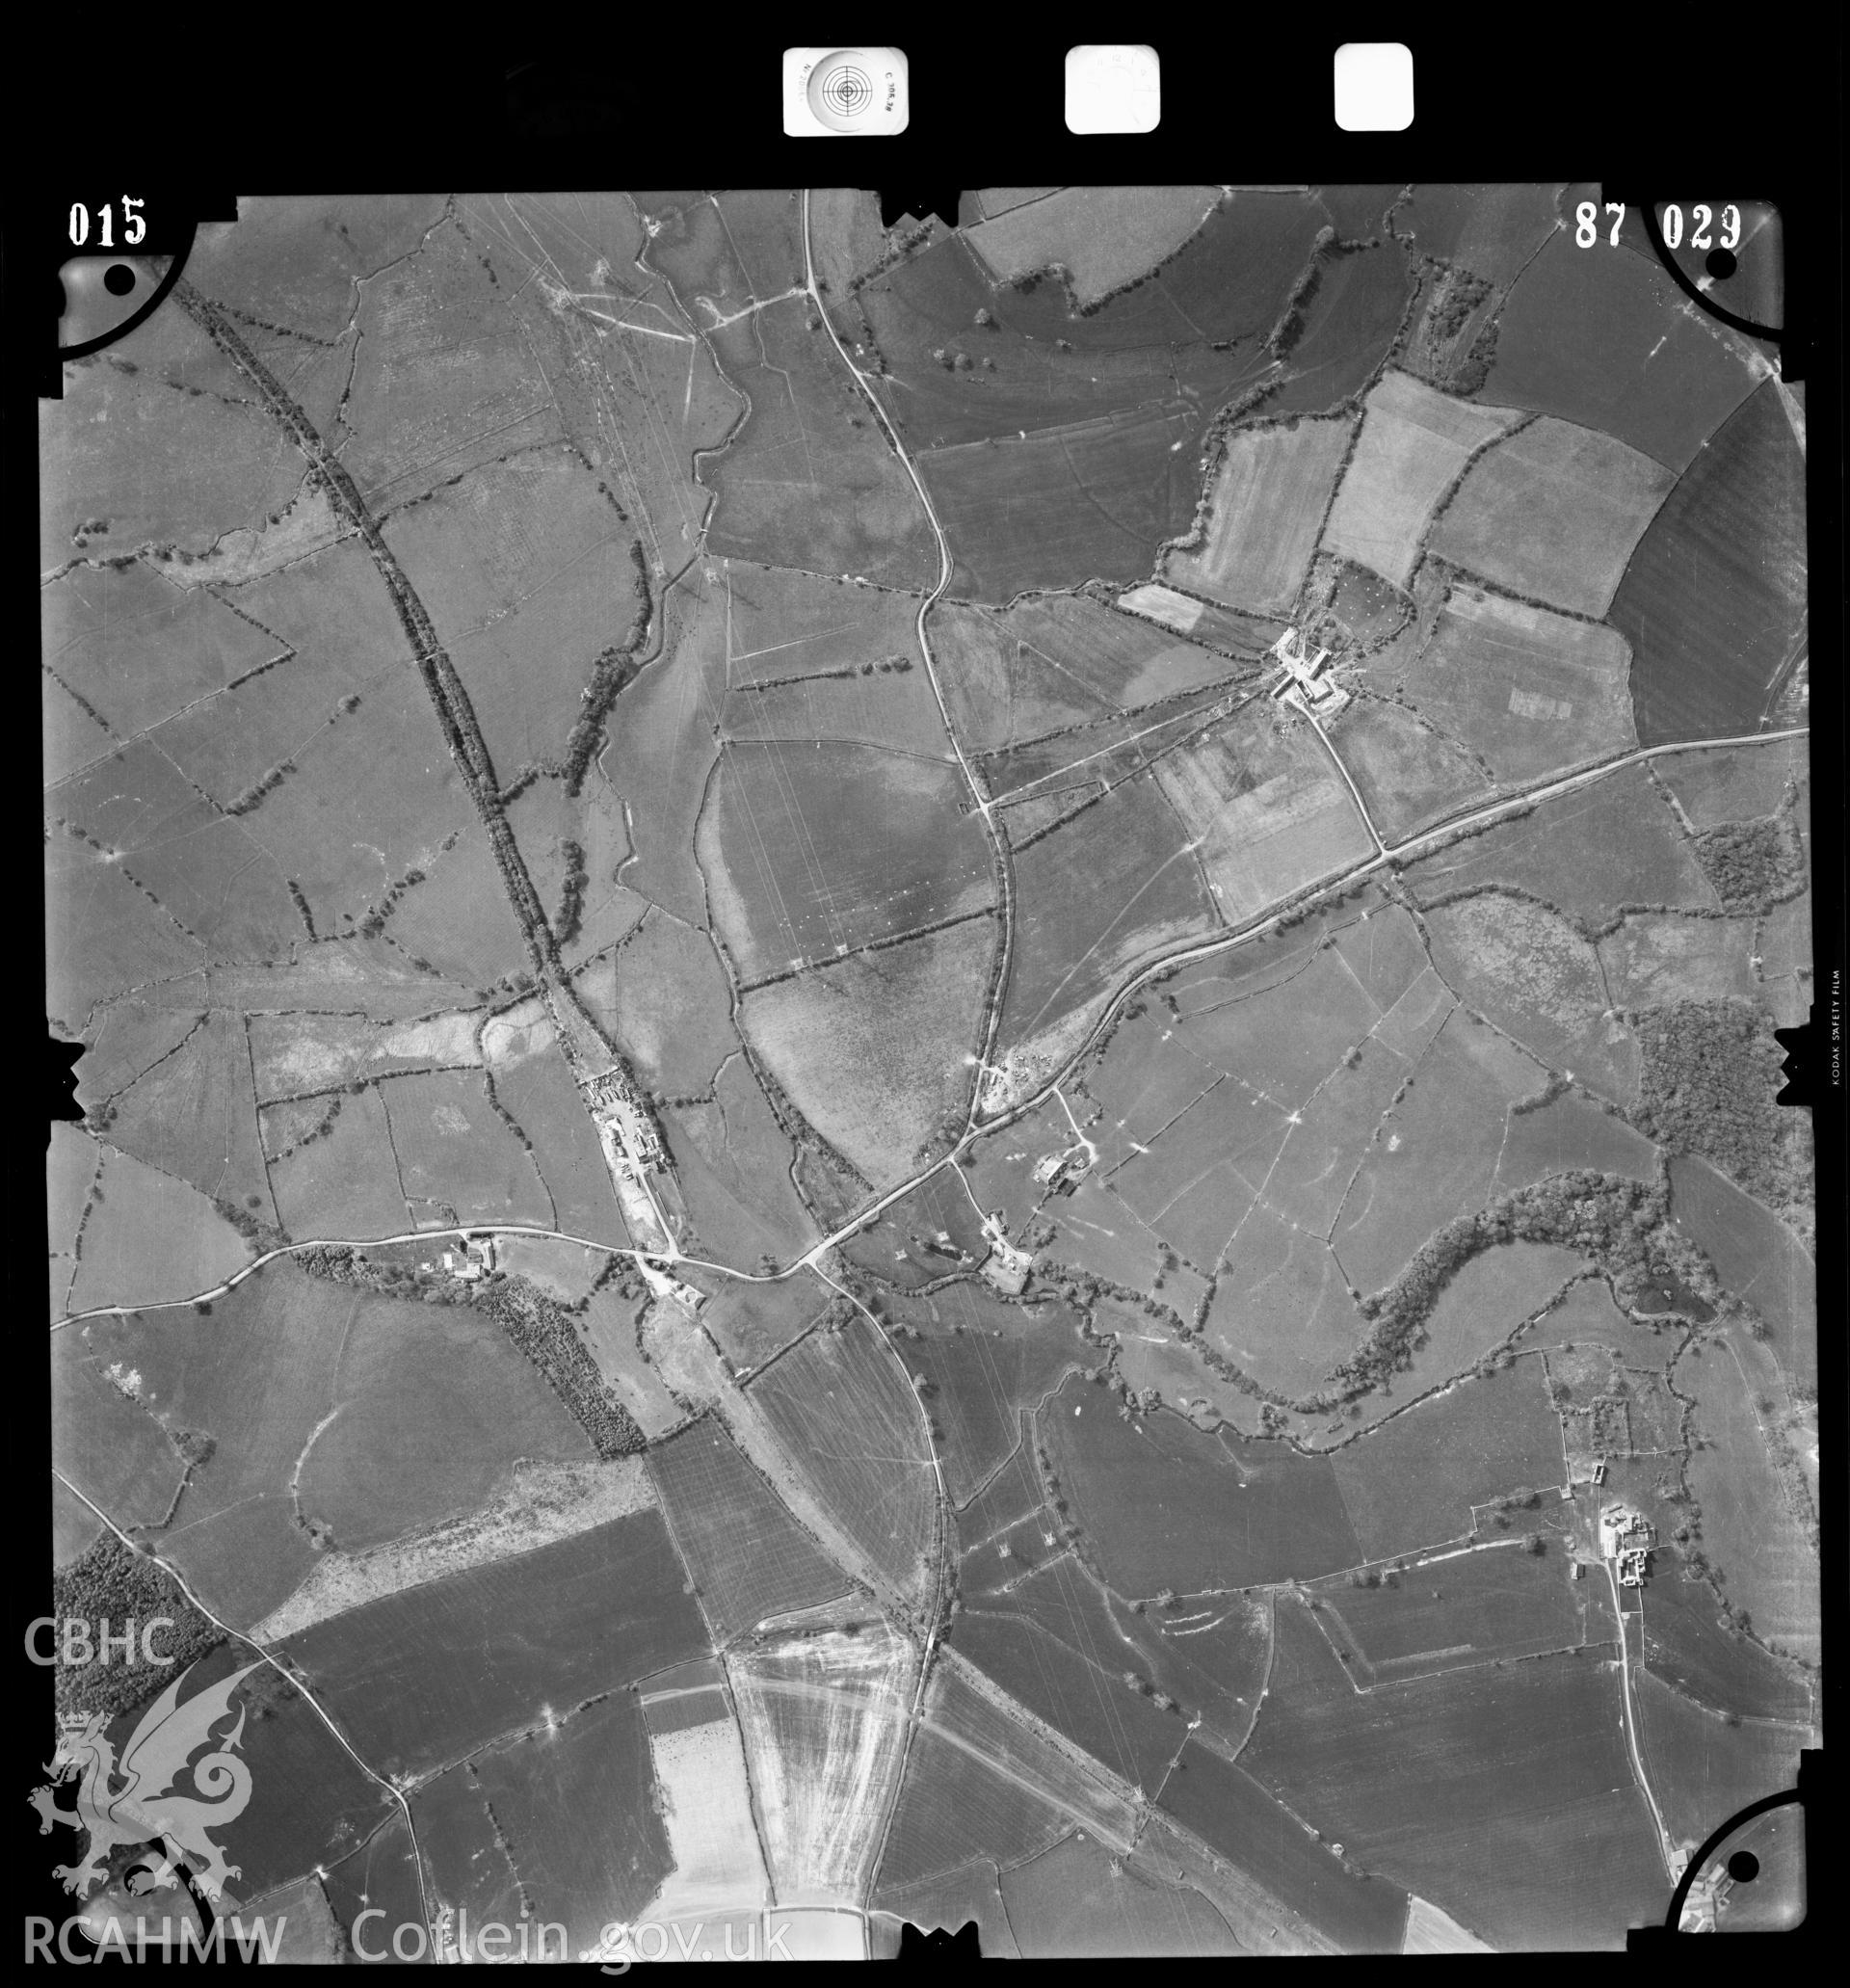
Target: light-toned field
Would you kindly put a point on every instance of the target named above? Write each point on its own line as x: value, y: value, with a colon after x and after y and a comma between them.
x: 822, y: 1719
x: 1102, y: 237
x: 610, y: 1338
x: 1554, y: 512
x: 1408, y: 772
x: 872, y: 1051
x: 295, y: 1053
x: 1414, y: 443
x: 1270, y: 811
x: 544, y: 1502
x: 151, y: 1237
x: 1658, y: 958
x: 706, y: 1803
x: 1429, y: 1930
x: 1268, y: 502
x: 999, y: 200
x: 1163, y: 604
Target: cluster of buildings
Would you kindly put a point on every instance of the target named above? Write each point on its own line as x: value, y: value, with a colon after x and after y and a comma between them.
x: 474, y: 1261
x: 665, y: 1284
x: 1302, y: 682
x: 632, y: 1144
x: 1626, y: 1537
x: 1062, y: 1172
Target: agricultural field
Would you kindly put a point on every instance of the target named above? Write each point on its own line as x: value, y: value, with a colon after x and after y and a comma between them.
x: 427, y: 1676
x: 841, y: 1399
x: 819, y: 1207
x: 1215, y: 1512
x: 1263, y: 513
x: 1412, y: 1482
x: 871, y: 1049
x: 1530, y: 691
x: 1412, y: 448
x: 823, y: 1741
x: 1713, y: 601
x: 1441, y: 1784
x: 1603, y: 341
x: 1102, y: 237
x: 747, y: 1557
x: 1553, y: 511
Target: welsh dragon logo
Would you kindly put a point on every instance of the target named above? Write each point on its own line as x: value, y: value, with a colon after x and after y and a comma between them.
x: 131, y: 1801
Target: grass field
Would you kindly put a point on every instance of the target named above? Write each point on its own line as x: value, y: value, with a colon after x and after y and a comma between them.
x: 1702, y: 1770
x: 577, y: 1806
x: 1741, y: 783
x: 733, y: 1166
x: 1225, y: 1806
x: 986, y: 1361
x: 1413, y: 444
x: 1554, y: 512
x: 798, y: 486
x: 1110, y: 887
x: 385, y: 1872
x: 1270, y: 810
x: 460, y: 918
x: 969, y: 1896
x: 1090, y: 499
x: 1408, y: 772
x: 1530, y: 690
x: 1082, y: 1694
x: 1571, y: 1132
x: 1491, y: 231
x: 1603, y: 340
x: 1481, y: 1608
x: 1206, y: 1512
x: 1504, y: 1795
x: 1760, y: 1545
x: 1714, y: 600
x: 149, y: 1237
x: 1264, y: 514
x: 345, y: 1185
x: 456, y: 1154
x: 1412, y: 1482
x: 1589, y: 852
x: 746, y: 1556
x: 1104, y: 236
x: 299, y: 1053
x: 428, y: 1675
x: 467, y: 1860
x: 1485, y: 1300
x: 1656, y: 960
x: 664, y: 994
x: 813, y: 851
x: 1075, y: 1902
x: 1348, y: 328
x: 823, y: 1741
x: 1756, y: 1256
x: 1687, y: 1645
x: 103, y: 935
x: 719, y: 1864
x: 887, y: 706
x: 840, y: 1400
x: 1538, y: 980
x: 871, y: 1050
x: 1434, y: 1153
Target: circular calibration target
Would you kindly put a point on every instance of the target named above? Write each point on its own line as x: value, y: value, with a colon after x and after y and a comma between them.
x: 841, y: 91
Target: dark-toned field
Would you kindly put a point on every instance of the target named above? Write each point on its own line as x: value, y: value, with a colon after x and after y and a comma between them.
x: 1412, y: 1482
x: 429, y: 1675
x: 1225, y: 1807
x: 1077, y: 1902
x: 1704, y: 1767
x: 1687, y: 1645
x: 1713, y: 602
x: 746, y: 1556
x: 1164, y: 1505
x: 1491, y: 231
x: 1603, y: 339
x: 1447, y: 1783
x: 1570, y: 1133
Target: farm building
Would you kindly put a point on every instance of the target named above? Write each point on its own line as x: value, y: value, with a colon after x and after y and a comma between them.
x: 1302, y: 682
x: 1062, y: 1171
x: 473, y: 1260
x: 665, y: 1286
x: 1008, y: 1268
x: 1626, y: 1537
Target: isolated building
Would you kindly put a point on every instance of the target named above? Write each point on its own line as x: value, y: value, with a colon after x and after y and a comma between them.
x: 1008, y: 1268
x: 1302, y: 682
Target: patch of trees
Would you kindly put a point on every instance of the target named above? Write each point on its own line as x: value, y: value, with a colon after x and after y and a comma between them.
x: 1456, y: 295
x: 571, y: 899
x: 1709, y: 1073
x: 253, y: 796
x: 896, y: 251
x: 609, y: 674
x: 1752, y: 865
x: 112, y: 1580
x: 1622, y: 1224
x: 543, y: 1331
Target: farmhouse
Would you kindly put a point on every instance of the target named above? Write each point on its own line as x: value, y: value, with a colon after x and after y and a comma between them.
x: 671, y: 1287
x: 1008, y: 1268
x: 1062, y: 1172
x: 1626, y: 1537
x: 1302, y: 683
x: 473, y: 1260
